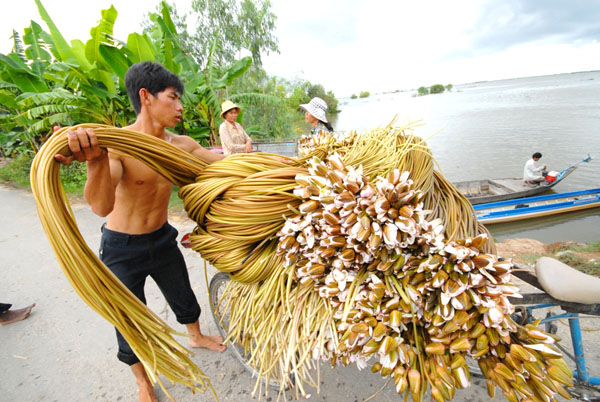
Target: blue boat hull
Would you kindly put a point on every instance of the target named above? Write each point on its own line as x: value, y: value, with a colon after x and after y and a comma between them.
x: 533, y: 207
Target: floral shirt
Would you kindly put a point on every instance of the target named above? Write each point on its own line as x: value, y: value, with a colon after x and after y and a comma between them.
x: 318, y: 128
x: 233, y: 138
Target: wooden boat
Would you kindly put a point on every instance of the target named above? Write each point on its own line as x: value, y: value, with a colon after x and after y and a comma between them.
x: 481, y: 191
x: 533, y: 207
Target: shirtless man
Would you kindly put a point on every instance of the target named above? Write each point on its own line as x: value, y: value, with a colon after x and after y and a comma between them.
x: 137, y: 241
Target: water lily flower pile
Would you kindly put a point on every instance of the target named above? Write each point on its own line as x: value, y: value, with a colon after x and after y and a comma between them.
x: 420, y: 306
x: 308, y: 143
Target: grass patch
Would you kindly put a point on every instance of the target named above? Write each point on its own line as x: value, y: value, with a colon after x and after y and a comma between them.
x: 530, y: 259
x: 570, y: 253
x: 581, y: 264
x: 73, y: 177
x: 593, y: 247
x: 175, y: 203
x: 17, y: 171
x: 584, y: 257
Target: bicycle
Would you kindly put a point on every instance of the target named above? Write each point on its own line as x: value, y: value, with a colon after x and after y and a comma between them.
x: 221, y: 317
x: 573, y: 292
x: 216, y: 288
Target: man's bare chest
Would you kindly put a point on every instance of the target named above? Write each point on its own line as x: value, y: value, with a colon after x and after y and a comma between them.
x: 136, y: 173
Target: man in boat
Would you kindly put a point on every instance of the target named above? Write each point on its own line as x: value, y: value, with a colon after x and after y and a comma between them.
x: 531, y: 172
x: 137, y: 241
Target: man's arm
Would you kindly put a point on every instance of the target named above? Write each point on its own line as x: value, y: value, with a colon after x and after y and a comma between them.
x: 102, y: 175
x: 206, y: 155
x: 189, y: 145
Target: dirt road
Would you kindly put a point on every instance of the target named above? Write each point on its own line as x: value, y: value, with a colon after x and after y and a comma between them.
x: 66, y: 352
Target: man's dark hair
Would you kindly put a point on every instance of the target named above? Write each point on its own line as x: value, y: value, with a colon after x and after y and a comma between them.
x: 152, y: 76
x: 537, y: 155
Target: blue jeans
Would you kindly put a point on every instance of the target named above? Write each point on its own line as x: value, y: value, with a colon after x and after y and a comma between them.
x: 132, y: 258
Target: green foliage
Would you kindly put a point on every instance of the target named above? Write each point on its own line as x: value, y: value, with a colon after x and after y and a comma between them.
x: 233, y: 26
x: 364, y: 94
x: 273, y: 111
x: 353, y: 96
x: 179, y: 22
x: 176, y: 203
x: 17, y: 171
x: 270, y: 104
x: 84, y: 82
x: 580, y: 263
x: 50, y: 82
x: 47, y: 81
x: 73, y: 177
x: 205, y: 95
x: 593, y: 247
x: 577, y: 247
x: 16, y: 142
x: 423, y: 91
x: 436, y: 89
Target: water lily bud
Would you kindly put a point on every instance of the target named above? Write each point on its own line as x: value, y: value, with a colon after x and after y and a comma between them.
x: 435, y: 348
x: 414, y: 380
x: 308, y: 206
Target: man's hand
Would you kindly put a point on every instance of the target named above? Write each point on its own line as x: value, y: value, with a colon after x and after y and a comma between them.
x: 84, y: 147
x: 248, y: 146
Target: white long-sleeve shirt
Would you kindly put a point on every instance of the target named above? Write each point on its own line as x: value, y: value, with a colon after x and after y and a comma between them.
x: 531, y: 171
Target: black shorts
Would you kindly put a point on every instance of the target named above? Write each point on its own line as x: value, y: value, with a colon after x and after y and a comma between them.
x: 132, y: 258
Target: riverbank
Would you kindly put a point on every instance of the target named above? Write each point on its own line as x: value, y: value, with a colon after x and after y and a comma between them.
x: 582, y: 256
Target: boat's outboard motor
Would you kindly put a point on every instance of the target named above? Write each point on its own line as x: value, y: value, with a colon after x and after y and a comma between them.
x: 551, y: 176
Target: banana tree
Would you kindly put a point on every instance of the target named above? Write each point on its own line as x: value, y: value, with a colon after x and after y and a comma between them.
x: 213, y: 80
x: 202, y: 88
x: 56, y: 82
x: 47, y: 81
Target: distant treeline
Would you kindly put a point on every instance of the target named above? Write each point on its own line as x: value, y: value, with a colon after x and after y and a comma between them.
x: 363, y: 94
x: 434, y: 89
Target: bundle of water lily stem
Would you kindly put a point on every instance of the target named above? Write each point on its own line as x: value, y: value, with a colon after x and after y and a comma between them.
x: 357, y: 252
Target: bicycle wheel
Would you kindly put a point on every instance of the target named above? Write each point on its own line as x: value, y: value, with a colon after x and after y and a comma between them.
x: 586, y: 393
x: 221, y: 317
x: 473, y: 366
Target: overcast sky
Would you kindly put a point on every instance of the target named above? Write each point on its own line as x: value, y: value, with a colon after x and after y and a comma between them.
x: 349, y: 46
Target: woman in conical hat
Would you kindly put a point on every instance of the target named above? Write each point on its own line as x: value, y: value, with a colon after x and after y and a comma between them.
x: 233, y: 137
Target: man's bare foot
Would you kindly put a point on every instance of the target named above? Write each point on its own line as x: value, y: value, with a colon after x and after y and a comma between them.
x: 16, y: 315
x: 146, y: 392
x: 208, y: 342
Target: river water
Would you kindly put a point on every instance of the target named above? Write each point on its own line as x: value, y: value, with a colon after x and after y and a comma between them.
x: 490, y: 129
